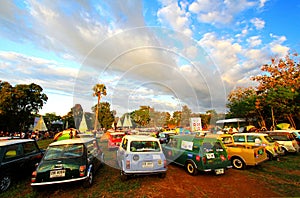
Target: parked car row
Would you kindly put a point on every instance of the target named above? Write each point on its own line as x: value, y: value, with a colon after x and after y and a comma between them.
x: 77, y: 159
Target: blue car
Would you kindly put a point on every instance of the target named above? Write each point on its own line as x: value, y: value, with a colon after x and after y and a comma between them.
x: 141, y: 155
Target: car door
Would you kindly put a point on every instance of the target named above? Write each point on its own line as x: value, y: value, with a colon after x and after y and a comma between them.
x: 13, y: 161
x: 32, y: 154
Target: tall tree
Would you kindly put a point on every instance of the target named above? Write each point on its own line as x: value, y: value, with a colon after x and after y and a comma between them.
x: 105, y: 115
x: 279, y: 87
x: 99, y: 89
x: 18, y: 105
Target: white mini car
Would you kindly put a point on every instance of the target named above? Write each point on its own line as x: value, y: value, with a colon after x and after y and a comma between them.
x: 141, y: 155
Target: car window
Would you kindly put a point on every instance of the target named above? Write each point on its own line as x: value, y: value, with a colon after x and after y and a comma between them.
x: 144, y: 146
x: 64, y: 151
x: 280, y: 137
x: 13, y: 151
x: 239, y: 138
x: 172, y: 142
x: 92, y: 148
x: 269, y: 139
x: 29, y: 147
x: 227, y: 140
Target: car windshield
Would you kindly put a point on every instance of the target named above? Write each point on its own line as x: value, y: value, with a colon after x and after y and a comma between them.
x: 64, y: 151
x: 144, y: 146
x: 269, y: 139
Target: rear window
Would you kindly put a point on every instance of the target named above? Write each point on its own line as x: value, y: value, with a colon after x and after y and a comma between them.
x: 64, y: 151
x: 144, y: 146
x: 269, y: 139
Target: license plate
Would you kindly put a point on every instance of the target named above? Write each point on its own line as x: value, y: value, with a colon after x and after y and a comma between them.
x: 219, y: 171
x: 210, y: 155
x: 57, y: 173
x: 147, y: 165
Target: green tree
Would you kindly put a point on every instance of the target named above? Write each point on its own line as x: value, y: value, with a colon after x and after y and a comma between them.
x: 105, y: 115
x: 279, y: 88
x: 19, y: 104
x: 50, y: 119
x: 99, y: 89
x: 185, y: 116
x: 141, y: 116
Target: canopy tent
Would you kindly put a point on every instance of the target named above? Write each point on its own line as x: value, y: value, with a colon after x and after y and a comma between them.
x: 83, y: 126
x: 40, y: 125
x: 127, y: 122
x: 119, y: 124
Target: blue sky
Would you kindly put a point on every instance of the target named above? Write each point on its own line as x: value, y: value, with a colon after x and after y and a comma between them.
x: 160, y: 53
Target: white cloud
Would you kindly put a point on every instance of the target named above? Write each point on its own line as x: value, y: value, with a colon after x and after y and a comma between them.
x: 254, y: 41
x: 175, y: 16
x: 258, y: 23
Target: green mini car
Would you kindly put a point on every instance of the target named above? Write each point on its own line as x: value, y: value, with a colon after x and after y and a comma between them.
x: 68, y: 160
x: 197, y: 154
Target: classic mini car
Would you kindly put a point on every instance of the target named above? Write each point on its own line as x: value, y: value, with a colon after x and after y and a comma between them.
x: 68, y: 161
x: 197, y: 154
x: 273, y: 148
x: 17, y: 157
x: 114, y: 140
x: 140, y: 155
x: 242, y: 155
x: 286, y: 140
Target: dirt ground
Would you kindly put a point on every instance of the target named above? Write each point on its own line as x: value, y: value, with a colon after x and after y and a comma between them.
x: 177, y: 183
x: 233, y: 183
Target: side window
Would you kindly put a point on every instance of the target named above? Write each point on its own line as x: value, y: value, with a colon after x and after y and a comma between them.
x: 173, y: 142
x: 92, y: 148
x: 251, y: 138
x: 239, y: 138
x: 13, y: 151
x: 29, y: 147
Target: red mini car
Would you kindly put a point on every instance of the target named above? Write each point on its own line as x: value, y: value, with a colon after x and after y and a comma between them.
x: 115, y: 139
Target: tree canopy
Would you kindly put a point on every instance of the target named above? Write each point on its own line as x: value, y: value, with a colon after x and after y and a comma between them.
x: 19, y: 104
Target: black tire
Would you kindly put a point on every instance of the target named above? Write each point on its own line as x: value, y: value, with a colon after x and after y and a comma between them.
x: 284, y: 151
x: 123, y: 176
x: 270, y: 156
x: 5, y: 182
x: 238, y: 163
x: 162, y: 175
x: 191, y: 168
x: 89, y: 181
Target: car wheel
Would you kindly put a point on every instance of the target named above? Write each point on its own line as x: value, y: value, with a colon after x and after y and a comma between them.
x: 238, y: 163
x: 191, y: 168
x: 284, y: 151
x: 162, y: 175
x: 89, y: 181
x: 123, y: 176
x: 5, y: 182
x: 270, y: 156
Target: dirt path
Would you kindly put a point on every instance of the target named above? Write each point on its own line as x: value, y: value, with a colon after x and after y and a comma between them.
x: 179, y: 184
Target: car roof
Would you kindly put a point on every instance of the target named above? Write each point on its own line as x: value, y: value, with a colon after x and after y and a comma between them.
x: 140, y: 137
x: 73, y: 141
x: 14, y: 141
x: 195, y: 137
x: 117, y: 133
x: 257, y: 134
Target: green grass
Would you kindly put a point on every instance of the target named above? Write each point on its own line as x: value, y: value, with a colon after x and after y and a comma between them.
x: 43, y: 144
x: 281, y: 176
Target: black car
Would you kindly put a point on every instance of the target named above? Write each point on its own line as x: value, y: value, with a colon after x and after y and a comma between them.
x: 17, y: 157
x: 70, y: 160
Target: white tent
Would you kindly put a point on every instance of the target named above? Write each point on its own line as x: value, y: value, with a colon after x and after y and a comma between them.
x: 127, y: 122
x: 83, y: 126
x: 119, y: 124
x: 40, y: 125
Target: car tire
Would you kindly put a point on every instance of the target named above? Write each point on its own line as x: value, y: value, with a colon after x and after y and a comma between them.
x: 89, y: 181
x: 5, y: 182
x: 123, y: 176
x: 270, y: 156
x: 191, y: 168
x: 162, y: 175
x: 238, y: 163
